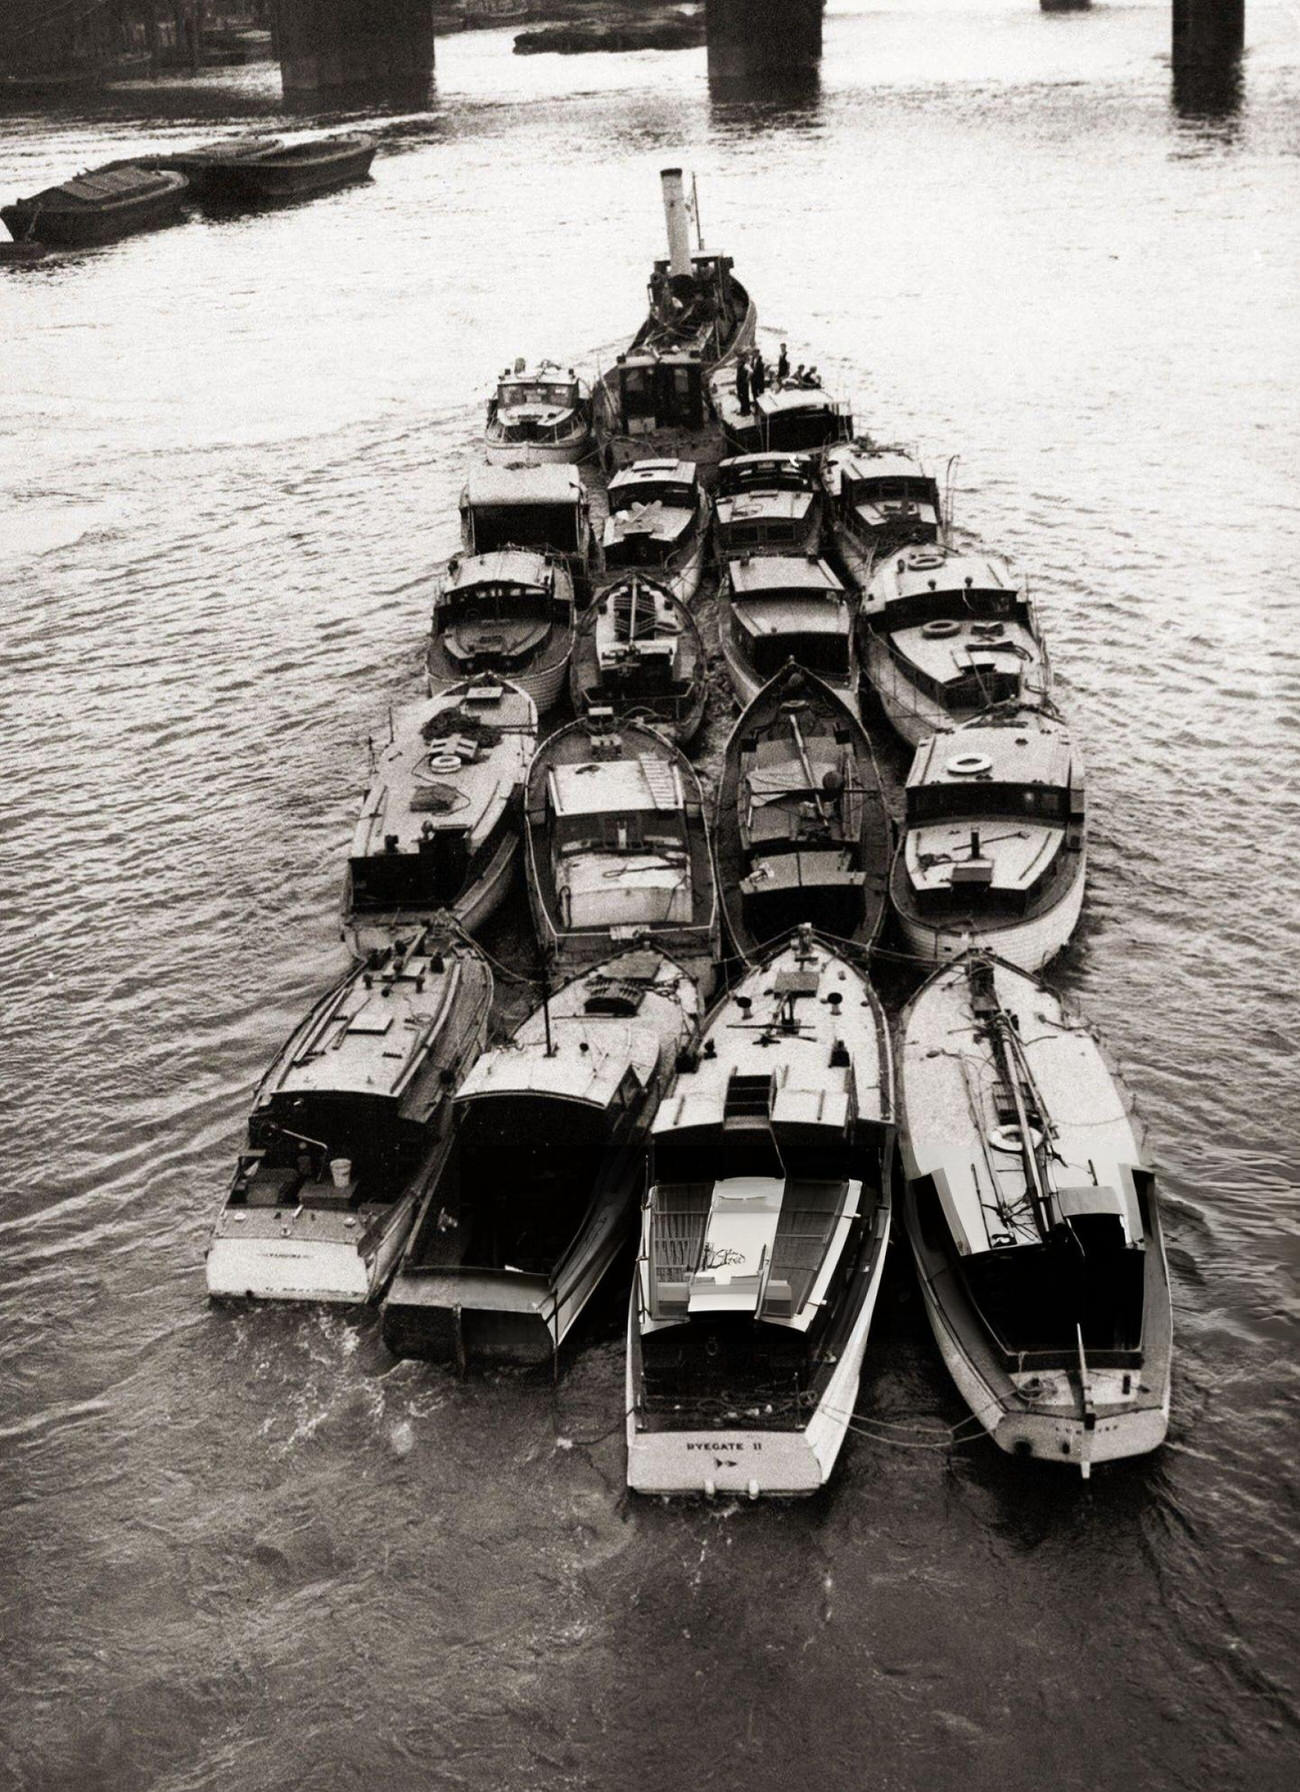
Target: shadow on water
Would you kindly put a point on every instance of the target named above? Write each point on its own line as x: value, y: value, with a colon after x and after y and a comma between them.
x: 1208, y: 91
x: 765, y: 100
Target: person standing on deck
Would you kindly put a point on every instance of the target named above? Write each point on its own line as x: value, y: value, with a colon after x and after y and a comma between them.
x: 742, y: 385
x: 757, y: 374
x: 782, y: 366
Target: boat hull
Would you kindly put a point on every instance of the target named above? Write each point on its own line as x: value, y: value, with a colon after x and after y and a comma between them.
x: 474, y: 906
x: 269, y: 178
x: 747, y: 683
x: 269, y: 1255
x: 753, y: 1462
x: 912, y: 714
x: 1028, y: 944
x: 87, y: 227
x: 544, y: 683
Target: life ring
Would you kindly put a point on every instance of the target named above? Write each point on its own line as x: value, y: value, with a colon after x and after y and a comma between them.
x: 941, y: 628
x: 969, y: 765
x: 1008, y: 1138
x: 442, y: 763
x: 924, y: 562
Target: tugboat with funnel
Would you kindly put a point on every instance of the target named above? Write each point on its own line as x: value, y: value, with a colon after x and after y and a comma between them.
x: 439, y: 827
x: 639, y: 653
x: 349, y: 1127
x: 540, y: 411
x: 993, y: 852
x: 763, y: 1235
x: 1031, y: 1211
x: 803, y: 834
x: 618, y: 849
x: 540, y: 1191
x: 947, y: 636
x: 655, y: 401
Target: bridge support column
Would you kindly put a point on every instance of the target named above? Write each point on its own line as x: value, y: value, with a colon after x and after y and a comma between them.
x: 345, y: 52
x: 1208, y: 38
x: 763, y: 37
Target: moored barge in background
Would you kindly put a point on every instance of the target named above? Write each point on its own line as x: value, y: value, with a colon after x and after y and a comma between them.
x: 98, y: 207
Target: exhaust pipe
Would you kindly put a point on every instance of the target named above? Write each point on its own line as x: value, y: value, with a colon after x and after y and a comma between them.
x: 679, y: 229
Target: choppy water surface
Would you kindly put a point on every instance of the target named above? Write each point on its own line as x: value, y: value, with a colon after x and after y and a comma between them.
x: 253, y: 1551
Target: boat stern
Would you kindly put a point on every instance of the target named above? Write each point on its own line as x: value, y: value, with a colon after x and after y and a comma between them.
x: 303, y: 1254
x: 737, y: 1462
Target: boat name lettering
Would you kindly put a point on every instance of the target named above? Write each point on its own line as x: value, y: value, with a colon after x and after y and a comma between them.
x: 726, y: 1443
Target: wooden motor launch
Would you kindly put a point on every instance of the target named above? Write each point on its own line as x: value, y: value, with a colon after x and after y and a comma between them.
x: 763, y: 1235
x: 440, y: 825
x: 539, y: 1193
x: 1031, y: 1210
x: 802, y: 831
x: 778, y: 607
x: 349, y: 1126
x: 539, y: 412
x: 879, y: 500
x: 993, y: 851
x: 507, y: 614
x: 618, y: 849
x: 639, y: 653
x: 947, y: 635
x: 659, y: 521
x: 767, y: 504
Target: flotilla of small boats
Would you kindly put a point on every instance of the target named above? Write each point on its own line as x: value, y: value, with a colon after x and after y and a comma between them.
x: 483, y: 1192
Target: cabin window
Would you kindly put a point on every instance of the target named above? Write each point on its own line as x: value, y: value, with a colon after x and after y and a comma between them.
x: 526, y: 526
x: 638, y: 393
x: 827, y: 655
x: 957, y: 802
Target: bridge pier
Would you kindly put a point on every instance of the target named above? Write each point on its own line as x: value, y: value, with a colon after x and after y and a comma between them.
x: 1207, y: 42
x: 342, y: 53
x: 768, y: 38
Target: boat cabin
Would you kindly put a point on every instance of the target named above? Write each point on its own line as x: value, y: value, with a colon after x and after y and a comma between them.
x: 655, y: 507
x: 792, y: 416
x: 535, y: 403
x: 766, y: 503
x: 542, y: 506
x: 785, y: 608
x: 620, y: 855
x: 341, y: 1120
x: 494, y: 611
x: 656, y: 390
x: 994, y: 817
x: 884, y: 497
x: 444, y: 790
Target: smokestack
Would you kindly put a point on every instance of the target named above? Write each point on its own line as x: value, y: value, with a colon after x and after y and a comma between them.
x: 679, y: 229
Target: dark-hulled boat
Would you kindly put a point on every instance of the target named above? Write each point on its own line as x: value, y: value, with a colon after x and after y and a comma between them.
x: 618, y: 849
x: 350, y: 1125
x: 1031, y: 1211
x: 294, y: 171
x: 203, y: 165
x: 802, y: 832
x: 540, y: 1189
x: 655, y: 401
x: 638, y: 652
x: 439, y: 827
x: 98, y: 207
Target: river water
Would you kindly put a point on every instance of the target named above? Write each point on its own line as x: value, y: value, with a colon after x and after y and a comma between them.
x: 251, y: 1550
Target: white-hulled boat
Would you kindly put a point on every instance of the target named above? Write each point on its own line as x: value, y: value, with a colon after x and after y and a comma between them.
x: 618, y: 848
x: 440, y: 823
x: 507, y: 614
x: 539, y: 412
x: 763, y: 1236
x: 948, y: 635
x: 777, y: 607
x: 658, y: 522
x: 766, y: 504
x: 521, y: 505
x: 639, y: 653
x: 541, y: 1188
x: 802, y: 832
x: 655, y: 400
x: 1031, y: 1210
x: 791, y: 416
x: 880, y: 500
x: 993, y: 852
x: 349, y: 1127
